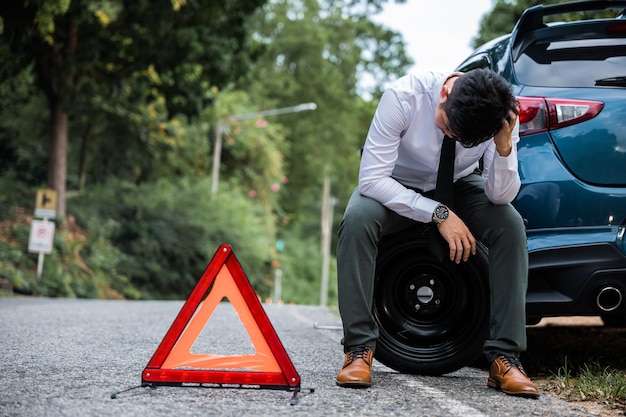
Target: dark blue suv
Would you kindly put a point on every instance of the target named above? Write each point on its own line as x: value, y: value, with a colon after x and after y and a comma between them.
x: 570, y: 79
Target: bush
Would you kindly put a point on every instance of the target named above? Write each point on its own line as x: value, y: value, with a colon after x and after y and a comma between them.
x: 169, y: 230
x: 154, y: 241
x: 71, y: 270
x: 302, y: 269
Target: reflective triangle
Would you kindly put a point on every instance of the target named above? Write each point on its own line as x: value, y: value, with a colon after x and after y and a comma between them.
x: 173, y: 363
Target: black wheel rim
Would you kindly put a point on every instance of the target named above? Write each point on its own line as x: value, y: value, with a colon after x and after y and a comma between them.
x: 429, y: 311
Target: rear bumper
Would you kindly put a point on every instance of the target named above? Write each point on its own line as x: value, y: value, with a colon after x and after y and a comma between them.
x: 576, y: 271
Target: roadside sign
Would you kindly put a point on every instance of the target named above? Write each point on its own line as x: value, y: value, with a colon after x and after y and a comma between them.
x: 46, y: 204
x: 41, y: 236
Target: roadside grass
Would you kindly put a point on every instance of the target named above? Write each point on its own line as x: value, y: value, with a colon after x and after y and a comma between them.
x: 593, y: 382
x: 585, y: 364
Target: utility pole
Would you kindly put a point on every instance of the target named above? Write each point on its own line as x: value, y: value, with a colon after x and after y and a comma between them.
x: 327, y: 226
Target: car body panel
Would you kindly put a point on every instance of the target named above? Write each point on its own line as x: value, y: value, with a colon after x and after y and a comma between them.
x: 593, y: 151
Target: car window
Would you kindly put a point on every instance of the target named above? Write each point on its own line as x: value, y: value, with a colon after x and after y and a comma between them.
x: 481, y: 61
x: 577, y: 63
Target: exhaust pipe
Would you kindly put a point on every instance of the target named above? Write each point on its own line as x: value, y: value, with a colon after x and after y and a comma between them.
x: 609, y: 299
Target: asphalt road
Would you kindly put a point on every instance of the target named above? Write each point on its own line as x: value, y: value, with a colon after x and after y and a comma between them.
x: 61, y: 357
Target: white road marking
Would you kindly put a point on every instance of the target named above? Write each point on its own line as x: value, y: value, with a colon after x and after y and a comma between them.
x: 454, y: 407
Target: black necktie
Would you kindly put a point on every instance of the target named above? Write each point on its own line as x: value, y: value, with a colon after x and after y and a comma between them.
x: 445, y: 176
x: 443, y: 193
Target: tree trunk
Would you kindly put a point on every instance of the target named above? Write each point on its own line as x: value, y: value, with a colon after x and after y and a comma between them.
x: 57, y: 164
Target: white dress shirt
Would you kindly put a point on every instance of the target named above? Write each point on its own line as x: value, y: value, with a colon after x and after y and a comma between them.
x: 403, y: 146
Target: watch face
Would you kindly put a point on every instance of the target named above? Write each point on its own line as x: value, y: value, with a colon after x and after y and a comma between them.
x: 441, y: 212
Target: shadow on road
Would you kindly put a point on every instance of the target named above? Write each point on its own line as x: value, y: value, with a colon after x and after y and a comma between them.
x: 555, y: 342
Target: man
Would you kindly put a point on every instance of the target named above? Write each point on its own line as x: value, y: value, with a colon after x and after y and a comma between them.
x: 397, y: 179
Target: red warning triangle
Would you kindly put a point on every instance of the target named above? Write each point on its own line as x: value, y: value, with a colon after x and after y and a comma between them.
x: 174, y: 364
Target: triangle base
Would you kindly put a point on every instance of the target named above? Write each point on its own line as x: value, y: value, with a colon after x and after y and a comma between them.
x: 216, y: 379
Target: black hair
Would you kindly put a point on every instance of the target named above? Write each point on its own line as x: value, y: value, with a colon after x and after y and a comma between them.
x: 477, y: 104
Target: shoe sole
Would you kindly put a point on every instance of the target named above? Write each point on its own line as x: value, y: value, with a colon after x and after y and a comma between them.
x: 493, y: 384
x: 354, y: 384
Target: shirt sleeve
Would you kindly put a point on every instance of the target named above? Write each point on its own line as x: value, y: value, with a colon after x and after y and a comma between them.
x: 500, y: 173
x: 378, y: 161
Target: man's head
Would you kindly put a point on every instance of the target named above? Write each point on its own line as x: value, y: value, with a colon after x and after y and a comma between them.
x: 475, y: 104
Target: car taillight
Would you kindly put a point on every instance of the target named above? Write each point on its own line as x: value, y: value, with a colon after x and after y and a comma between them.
x: 616, y: 29
x: 538, y: 114
x: 532, y: 115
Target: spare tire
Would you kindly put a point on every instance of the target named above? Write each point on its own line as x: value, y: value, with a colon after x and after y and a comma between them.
x: 433, y: 316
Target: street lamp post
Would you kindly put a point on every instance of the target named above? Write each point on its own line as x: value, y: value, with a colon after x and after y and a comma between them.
x: 221, y: 128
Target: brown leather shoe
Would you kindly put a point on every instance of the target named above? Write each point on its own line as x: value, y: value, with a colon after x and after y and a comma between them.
x: 356, y: 369
x: 507, y: 375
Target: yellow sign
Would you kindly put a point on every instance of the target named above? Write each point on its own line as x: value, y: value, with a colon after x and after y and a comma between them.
x: 46, y: 204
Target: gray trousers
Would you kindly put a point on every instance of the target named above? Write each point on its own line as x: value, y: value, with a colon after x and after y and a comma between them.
x: 499, y: 227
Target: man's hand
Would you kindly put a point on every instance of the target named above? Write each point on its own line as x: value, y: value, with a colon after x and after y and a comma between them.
x: 459, y: 238
x: 503, y: 141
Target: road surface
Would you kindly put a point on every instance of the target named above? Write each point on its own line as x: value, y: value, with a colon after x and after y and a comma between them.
x: 64, y: 357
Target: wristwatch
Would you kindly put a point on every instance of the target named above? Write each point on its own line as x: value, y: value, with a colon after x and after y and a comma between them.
x: 441, y: 213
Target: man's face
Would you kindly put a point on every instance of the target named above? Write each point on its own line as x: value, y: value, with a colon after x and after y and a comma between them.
x: 441, y: 120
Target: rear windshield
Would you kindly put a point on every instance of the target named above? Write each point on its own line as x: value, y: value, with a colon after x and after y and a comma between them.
x: 578, y: 63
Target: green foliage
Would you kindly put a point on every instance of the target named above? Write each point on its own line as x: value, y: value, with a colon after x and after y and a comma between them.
x: 592, y: 381
x: 97, y: 46
x: 141, y: 145
x: 23, y: 127
x: 169, y: 230
x: 144, y: 88
x: 174, y: 51
x: 14, y: 195
x: 79, y: 266
x: 301, y: 268
x: 16, y: 265
x: 253, y: 149
x: 317, y: 52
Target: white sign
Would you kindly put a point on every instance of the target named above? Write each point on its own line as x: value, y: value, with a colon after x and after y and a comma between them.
x: 41, y: 236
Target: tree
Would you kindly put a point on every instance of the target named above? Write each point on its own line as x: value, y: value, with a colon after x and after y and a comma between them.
x: 318, y: 52
x: 174, y: 49
x: 148, y: 82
